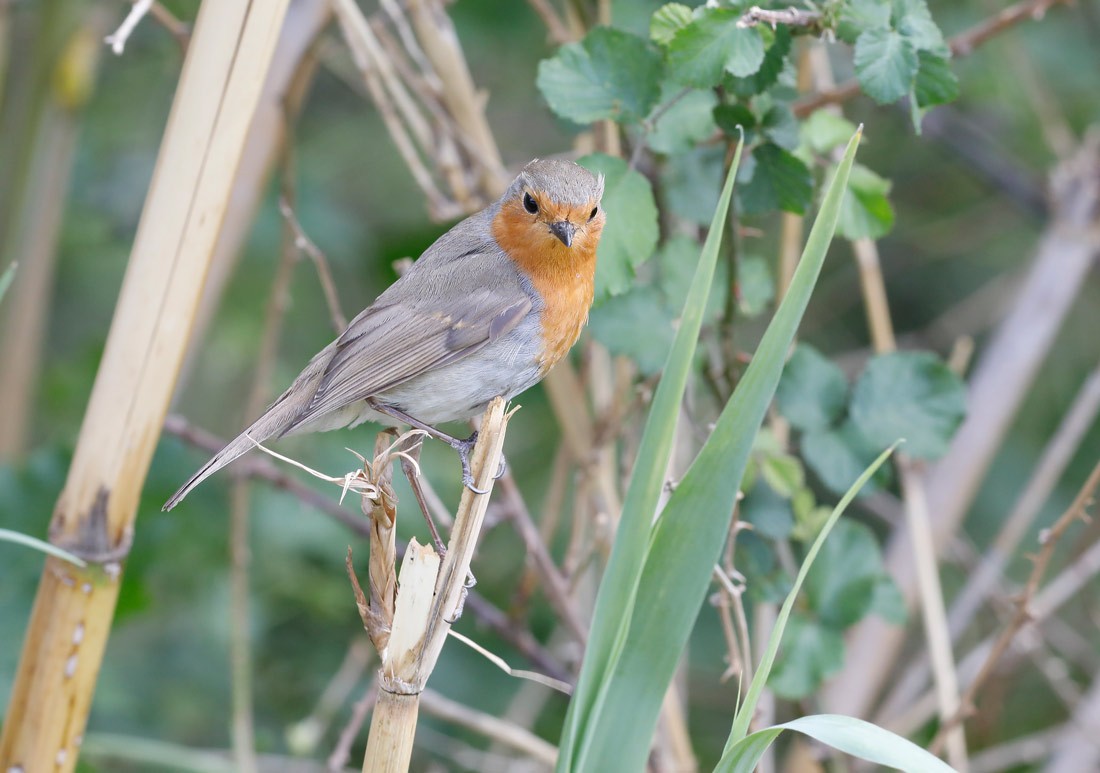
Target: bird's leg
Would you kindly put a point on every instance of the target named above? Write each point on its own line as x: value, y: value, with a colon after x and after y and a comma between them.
x: 409, y: 468
x: 462, y: 446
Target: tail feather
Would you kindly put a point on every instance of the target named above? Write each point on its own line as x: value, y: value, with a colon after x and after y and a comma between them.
x: 274, y: 423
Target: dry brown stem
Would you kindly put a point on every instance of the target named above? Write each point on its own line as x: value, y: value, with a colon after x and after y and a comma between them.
x: 1049, y: 540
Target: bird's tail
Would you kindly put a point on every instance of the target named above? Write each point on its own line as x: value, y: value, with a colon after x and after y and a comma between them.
x: 274, y: 423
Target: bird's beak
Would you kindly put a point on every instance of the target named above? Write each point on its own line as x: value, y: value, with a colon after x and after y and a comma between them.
x: 564, y: 230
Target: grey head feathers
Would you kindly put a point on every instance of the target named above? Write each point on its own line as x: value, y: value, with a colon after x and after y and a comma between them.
x: 564, y: 182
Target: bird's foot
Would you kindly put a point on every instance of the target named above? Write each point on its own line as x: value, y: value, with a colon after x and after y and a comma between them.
x: 464, y: 447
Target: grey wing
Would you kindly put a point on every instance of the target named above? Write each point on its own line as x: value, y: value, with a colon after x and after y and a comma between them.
x: 390, y: 343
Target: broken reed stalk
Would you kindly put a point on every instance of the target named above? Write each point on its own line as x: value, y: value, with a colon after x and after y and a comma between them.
x: 428, y: 600
x: 94, y: 515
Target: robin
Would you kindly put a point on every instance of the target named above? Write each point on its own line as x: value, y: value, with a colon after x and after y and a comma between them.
x: 486, y: 311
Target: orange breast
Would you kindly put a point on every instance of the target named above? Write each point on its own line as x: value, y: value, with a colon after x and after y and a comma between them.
x: 563, y: 276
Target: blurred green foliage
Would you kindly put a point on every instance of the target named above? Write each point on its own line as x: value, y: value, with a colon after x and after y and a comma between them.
x: 949, y: 226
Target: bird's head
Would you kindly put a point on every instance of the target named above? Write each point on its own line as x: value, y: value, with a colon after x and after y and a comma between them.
x: 554, y: 206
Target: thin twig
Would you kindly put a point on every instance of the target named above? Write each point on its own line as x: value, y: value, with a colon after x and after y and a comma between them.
x: 559, y: 33
x: 961, y: 45
x: 810, y: 21
x: 555, y: 585
x: 324, y: 273
x: 508, y: 733
x: 1049, y: 540
x: 258, y: 467
x: 342, y: 751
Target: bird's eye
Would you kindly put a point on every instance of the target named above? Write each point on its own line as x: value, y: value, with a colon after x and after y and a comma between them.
x: 594, y: 211
x: 530, y: 204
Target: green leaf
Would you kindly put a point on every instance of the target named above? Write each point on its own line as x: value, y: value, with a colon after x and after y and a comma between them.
x: 841, y: 585
x: 635, y: 324
x: 813, y: 391
x: 936, y: 84
x: 593, y: 700
x: 6, y: 279
x: 775, y: 59
x: 768, y: 512
x: 910, y: 395
x: 667, y: 21
x: 838, y: 455
x: 689, y: 535
x: 783, y: 473
x: 825, y: 130
x: 18, y: 538
x: 846, y: 734
x: 610, y: 74
x: 676, y: 263
x: 779, y: 126
x: 712, y: 45
x: 755, y: 285
x: 691, y: 183
x: 630, y: 235
x: 914, y: 21
x: 866, y: 211
x: 885, y: 64
x: 811, y: 653
x: 888, y: 603
x: 730, y: 117
x: 858, y: 16
x: 779, y: 181
x: 689, y: 121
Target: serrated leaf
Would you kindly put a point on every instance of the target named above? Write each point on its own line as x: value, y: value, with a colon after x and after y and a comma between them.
x: 667, y: 21
x: 688, y: 121
x: 841, y: 586
x: 712, y: 45
x: 914, y: 21
x: 936, y: 84
x: 610, y: 74
x: 755, y: 285
x: 825, y: 130
x: 858, y: 16
x: 779, y: 126
x: 838, y: 455
x: 885, y: 64
x: 775, y: 59
x: 779, y: 181
x: 910, y: 395
x: 866, y: 211
x: 813, y: 391
x: 630, y: 235
x: 637, y: 325
x: 810, y: 653
x: 730, y: 117
x: 676, y: 261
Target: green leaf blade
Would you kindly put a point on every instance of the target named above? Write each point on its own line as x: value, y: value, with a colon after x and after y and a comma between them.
x: 712, y: 45
x: 618, y: 590
x: 690, y: 532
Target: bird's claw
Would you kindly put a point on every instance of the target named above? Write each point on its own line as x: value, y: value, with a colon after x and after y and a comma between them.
x: 464, y: 447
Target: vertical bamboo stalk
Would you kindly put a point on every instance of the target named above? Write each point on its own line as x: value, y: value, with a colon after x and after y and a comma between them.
x: 217, y: 95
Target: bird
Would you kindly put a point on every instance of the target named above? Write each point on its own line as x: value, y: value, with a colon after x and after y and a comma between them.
x: 485, y: 311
